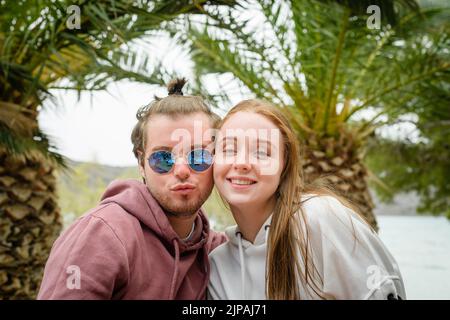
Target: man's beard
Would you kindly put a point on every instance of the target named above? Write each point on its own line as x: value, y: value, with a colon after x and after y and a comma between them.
x: 181, y: 208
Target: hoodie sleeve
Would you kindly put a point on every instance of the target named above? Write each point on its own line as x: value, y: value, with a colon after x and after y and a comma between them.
x: 88, y: 261
x: 353, y: 261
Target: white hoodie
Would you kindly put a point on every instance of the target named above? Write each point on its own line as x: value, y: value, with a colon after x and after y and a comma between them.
x: 361, y: 269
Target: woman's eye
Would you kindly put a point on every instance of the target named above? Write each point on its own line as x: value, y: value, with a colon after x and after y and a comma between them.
x: 229, y: 152
x: 262, y: 154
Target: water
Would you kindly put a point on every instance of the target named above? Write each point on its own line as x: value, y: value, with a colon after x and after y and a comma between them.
x: 421, y: 246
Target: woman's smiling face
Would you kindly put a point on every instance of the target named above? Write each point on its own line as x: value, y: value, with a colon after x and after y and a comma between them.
x: 249, y: 159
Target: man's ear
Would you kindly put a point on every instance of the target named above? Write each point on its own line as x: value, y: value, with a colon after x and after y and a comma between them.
x: 141, y: 163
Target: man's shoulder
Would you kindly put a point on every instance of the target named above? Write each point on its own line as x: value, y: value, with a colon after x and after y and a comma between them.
x: 216, y: 239
x: 110, y: 217
x: 224, y: 248
x: 111, y: 213
x: 221, y: 249
x: 117, y: 218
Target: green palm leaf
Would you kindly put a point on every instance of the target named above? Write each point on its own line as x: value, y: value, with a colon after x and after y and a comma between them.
x: 39, y: 52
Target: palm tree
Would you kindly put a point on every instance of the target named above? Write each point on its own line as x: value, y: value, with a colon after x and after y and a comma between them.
x: 41, y: 51
x: 335, y: 78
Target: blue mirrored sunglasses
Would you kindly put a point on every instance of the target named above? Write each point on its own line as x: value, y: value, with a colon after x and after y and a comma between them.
x: 163, y: 161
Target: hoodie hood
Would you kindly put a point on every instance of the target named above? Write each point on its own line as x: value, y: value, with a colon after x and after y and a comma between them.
x: 135, y: 198
x: 233, y: 235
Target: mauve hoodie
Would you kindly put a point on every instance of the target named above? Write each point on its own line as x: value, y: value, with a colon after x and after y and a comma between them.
x: 126, y: 249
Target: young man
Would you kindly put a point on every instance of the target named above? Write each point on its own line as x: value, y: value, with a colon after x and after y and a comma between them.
x: 146, y: 240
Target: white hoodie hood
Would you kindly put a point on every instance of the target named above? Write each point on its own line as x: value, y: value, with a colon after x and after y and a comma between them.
x: 361, y: 269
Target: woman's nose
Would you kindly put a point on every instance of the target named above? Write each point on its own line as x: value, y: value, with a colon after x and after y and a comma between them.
x: 242, y: 167
x: 242, y: 162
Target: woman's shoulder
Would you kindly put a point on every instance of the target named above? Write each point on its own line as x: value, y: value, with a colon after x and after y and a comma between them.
x: 328, y: 214
x: 323, y: 207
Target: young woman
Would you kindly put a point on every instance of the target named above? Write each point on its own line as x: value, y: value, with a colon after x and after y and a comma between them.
x: 291, y: 241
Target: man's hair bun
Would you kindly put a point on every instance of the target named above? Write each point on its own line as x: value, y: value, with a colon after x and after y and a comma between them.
x: 175, y: 86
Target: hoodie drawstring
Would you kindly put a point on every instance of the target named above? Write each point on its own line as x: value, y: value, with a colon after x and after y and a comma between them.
x: 378, y: 286
x: 200, y: 295
x: 241, y: 257
x: 266, y: 227
x: 175, y: 272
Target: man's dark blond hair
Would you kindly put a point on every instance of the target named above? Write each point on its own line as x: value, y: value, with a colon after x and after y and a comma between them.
x: 174, y: 105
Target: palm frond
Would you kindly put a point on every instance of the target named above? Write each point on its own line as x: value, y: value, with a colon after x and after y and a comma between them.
x: 36, y: 146
x: 38, y: 51
x: 318, y: 55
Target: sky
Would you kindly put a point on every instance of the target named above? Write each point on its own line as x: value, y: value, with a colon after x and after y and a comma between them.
x: 98, y: 129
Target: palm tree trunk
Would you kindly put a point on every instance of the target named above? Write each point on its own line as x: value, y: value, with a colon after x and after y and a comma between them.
x: 337, y: 163
x: 29, y: 222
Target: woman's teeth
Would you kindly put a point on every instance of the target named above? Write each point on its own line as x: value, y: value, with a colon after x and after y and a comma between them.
x: 244, y: 182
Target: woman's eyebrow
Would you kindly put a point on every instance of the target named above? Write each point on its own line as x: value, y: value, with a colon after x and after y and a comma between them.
x: 260, y: 141
x: 264, y: 142
x: 232, y: 139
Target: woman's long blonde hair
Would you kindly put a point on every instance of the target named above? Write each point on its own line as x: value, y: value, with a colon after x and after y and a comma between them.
x: 289, y: 258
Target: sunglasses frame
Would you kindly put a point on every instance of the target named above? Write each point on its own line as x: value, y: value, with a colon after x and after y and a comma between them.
x: 185, y: 158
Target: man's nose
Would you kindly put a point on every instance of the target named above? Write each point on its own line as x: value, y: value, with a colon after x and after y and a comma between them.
x: 181, y: 169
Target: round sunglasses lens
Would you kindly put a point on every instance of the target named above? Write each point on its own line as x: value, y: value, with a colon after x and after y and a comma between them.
x: 200, y: 160
x: 161, y: 161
